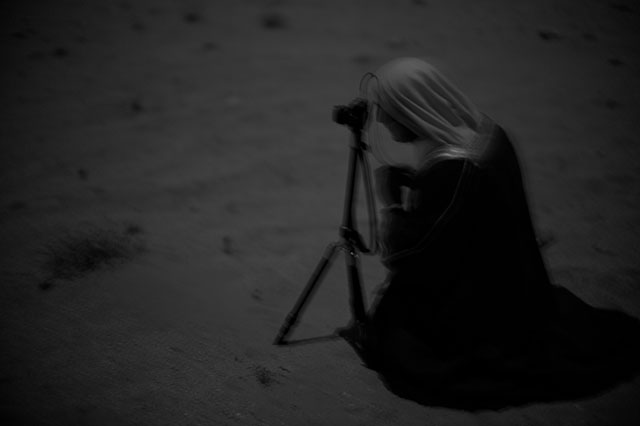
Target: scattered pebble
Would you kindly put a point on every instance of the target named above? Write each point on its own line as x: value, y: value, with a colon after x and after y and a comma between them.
x: 138, y: 26
x: 45, y: 285
x: 549, y: 35
x: 363, y: 59
x: 256, y: 295
x: 136, y: 106
x: 192, y: 17
x: 227, y: 245
x: 82, y: 174
x: 209, y: 45
x: 263, y: 376
x: 274, y: 21
x: 603, y: 250
x: 19, y: 35
x: 620, y: 7
x: 608, y: 103
x: 61, y: 52
x: 17, y: 205
x: 133, y: 229
x: 24, y: 34
x: 612, y: 104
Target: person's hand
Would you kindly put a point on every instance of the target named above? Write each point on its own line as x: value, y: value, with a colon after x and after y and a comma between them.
x: 389, y: 183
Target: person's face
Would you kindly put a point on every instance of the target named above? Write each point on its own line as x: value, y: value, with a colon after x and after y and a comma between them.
x: 399, y: 132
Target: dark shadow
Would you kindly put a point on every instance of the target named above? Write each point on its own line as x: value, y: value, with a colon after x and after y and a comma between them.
x: 310, y: 340
x: 586, y: 352
x: 74, y: 255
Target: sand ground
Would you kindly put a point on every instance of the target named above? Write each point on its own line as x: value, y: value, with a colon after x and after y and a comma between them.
x: 206, y: 127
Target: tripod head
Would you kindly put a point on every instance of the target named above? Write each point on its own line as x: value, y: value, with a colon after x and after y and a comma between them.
x: 353, y: 115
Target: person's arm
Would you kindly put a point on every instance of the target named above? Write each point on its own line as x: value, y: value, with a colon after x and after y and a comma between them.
x: 432, y: 192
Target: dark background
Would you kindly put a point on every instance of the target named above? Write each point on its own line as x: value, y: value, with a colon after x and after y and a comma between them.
x: 202, y: 132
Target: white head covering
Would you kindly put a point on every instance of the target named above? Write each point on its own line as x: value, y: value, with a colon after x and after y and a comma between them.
x: 414, y: 93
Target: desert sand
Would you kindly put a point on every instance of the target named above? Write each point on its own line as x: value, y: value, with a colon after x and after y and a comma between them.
x: 195, y: 138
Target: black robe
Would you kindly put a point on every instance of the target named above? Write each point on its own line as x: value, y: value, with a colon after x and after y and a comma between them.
x: 468, y: 315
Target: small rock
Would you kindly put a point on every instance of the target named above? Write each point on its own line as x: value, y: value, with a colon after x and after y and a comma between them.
x: 620, y: 7
x: 256, y: 295
x: 17, y: 205
x: 21, y: 35
x: 45, y: 285
x: 264, y: 376
x: 612, y: 104
x: 549, y: 35
x: 192, y: 17
x: 61, y: 52
x: 363, y: 59
x: 133, y: 229
x: 227, y: 245
x: 608, y: 103
x: 274, y: 21
x: 209, y: 45
x: 136, y: 106
x: 138, y: 26
x: 603, y: 250
x: 82, y: 174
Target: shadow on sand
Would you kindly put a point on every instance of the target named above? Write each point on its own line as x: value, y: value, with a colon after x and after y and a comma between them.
x: 310, y: 340
x: 587, y: 352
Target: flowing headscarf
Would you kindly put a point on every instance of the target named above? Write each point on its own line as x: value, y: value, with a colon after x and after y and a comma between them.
x: 416, y: 95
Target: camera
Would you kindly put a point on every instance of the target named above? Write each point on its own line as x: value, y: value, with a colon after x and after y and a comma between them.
x: 353, y: 115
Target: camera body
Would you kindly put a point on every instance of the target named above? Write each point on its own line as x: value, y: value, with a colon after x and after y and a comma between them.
x: 353, y: 115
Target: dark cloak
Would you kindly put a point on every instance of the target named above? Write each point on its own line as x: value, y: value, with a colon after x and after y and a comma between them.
x: 468, y: 315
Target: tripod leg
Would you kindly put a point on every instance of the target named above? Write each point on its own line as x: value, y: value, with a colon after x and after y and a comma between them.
x: 315, y: 278
x: 355, y: 286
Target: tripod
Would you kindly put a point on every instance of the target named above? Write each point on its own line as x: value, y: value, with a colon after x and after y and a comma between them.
x: 350, y: 239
